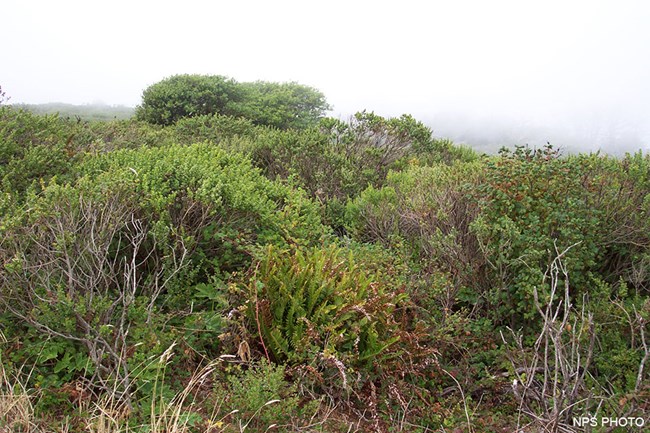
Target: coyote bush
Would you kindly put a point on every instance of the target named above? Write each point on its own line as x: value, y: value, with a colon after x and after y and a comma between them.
x: 108, y: 261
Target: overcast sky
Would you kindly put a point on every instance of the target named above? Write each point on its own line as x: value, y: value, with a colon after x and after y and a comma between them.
x: 574, y: 64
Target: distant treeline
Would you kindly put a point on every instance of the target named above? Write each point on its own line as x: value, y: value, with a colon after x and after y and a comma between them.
x: 84, y: 112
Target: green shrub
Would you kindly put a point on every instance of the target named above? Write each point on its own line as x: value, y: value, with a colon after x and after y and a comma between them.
x: 427, y: 213
x: 213, y: 128
x: 340, y: 159
x: 33, y: 149
x: 36, y: 148
x: 620, y: 191
x: 376, y: 144
x: 443, y: 150
x: 533, y: 202
x: 179, y: 96
x: 259, y: 399
x: 282, y: 105
x: 138, y: 244
x: 124, y: 134
x: 278, y: 105
x: 621, y: 322
x: 301, y: 155
x: 215, y: 196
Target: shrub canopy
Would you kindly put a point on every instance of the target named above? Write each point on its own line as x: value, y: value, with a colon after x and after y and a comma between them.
x: 280, y: 105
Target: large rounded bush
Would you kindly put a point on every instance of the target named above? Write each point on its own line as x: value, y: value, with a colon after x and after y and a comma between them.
x: 180, y: 96
x: 278, y: 105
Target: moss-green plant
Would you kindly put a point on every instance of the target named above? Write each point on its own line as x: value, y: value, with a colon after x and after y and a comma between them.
x: 260, y: 399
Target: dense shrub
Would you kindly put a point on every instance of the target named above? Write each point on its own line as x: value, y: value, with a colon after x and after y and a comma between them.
x: 33, y: 149
x: 234, y: 192
x: 376, y: 143
x: 481, y: 236
x: 214, y: 128
x: 427, y: 211
x: 105, y: 137
x: 340, y: 159
x: 534, y: 202
x: 342, y: 319
x: 36, y: 148
x: 140, y: 242
x: 179, y: 96
x: 530, y: 202
x: 282, y: 105
x: 278, y: 105
x: 302, y: 155
x: 620, y: 190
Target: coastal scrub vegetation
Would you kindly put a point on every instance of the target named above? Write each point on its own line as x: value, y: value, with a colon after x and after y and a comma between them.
x: 230, y: 259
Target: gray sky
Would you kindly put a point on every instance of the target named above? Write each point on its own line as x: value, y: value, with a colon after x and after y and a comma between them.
x: 582, y: 67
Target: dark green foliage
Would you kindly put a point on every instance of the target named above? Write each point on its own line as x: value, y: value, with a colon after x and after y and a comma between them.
x: 481, y: 236
x: 33, y: 149
x: 531, y: 201
x: 278, y: 105
x: 534, y: 202
x: 620, y: 318
x: 179, y: 96
x: 282, y: 105
x: 214, y: 128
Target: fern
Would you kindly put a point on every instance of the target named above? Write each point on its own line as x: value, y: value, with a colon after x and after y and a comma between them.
x: 320, y: 303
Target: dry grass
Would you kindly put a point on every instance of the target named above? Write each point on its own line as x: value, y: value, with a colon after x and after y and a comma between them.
x: 111, y: 413
x: 16, y: 408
